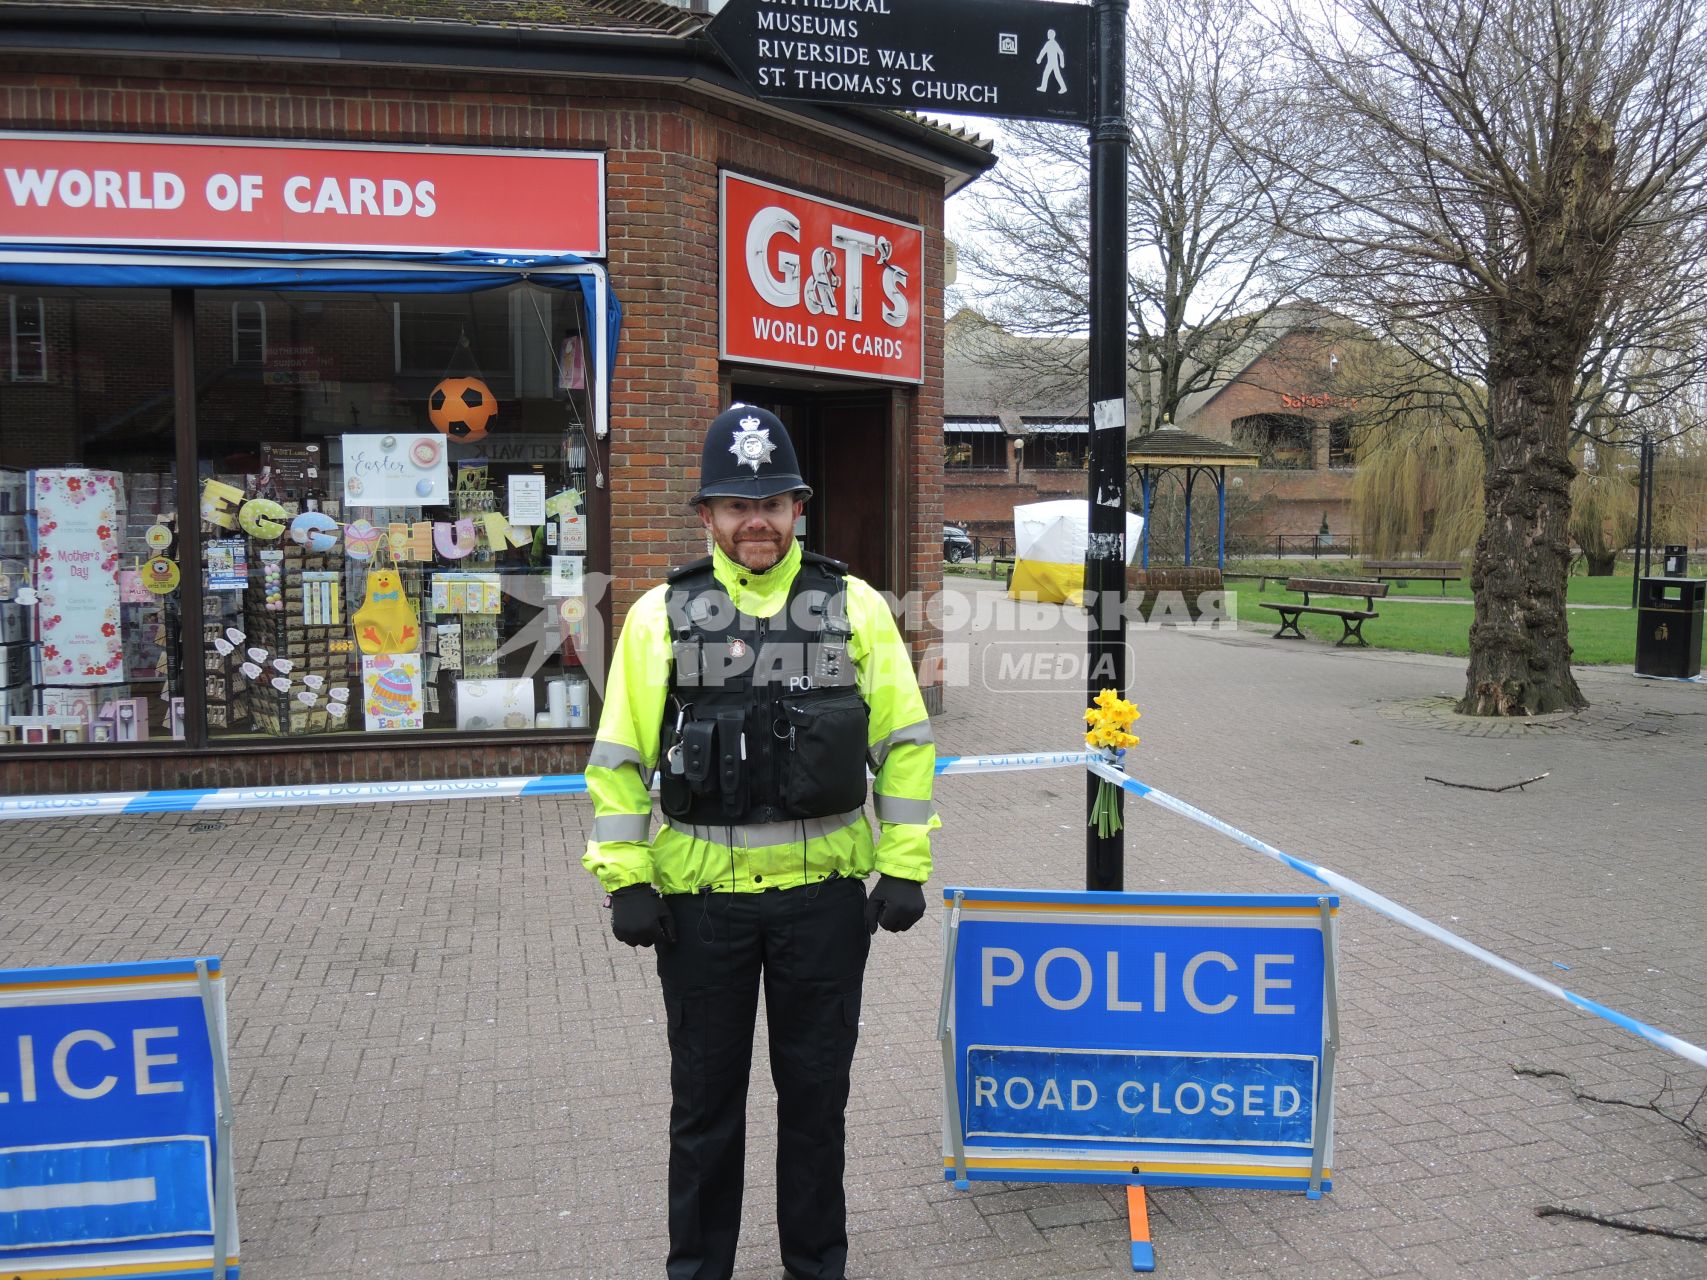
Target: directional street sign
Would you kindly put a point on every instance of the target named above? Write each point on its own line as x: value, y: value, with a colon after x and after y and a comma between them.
x: 115, y: 1155
x: 1017, y: 59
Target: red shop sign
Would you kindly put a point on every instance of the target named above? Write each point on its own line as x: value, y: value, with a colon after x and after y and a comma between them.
x: 810, y: 284
x: 225, y: 193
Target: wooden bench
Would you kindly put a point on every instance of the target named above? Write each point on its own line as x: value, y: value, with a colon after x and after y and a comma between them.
x: 1351, y: 620
x: 1441, y: 571
x: 996, y: 563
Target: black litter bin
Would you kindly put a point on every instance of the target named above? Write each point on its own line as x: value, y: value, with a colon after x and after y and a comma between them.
x: 1668, y: 626
x: 1676, y: 561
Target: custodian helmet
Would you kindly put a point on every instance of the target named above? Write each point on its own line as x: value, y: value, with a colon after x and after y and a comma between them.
x: 748, y: 455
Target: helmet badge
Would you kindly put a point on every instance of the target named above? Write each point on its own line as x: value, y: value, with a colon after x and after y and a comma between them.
x: 752, y: 445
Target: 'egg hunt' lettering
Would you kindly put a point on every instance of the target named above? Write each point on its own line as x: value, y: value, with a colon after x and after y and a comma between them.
x: 222, y: 192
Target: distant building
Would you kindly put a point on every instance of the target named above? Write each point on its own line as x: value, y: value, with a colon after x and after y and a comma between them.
x: 1015, y: 426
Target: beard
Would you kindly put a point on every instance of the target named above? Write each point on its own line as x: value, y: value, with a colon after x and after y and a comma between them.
x: 757, y: 553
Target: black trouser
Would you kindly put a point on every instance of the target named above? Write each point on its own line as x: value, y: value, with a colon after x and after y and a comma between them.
x: 809, y: 944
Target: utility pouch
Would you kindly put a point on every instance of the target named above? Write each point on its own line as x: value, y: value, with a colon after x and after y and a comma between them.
x: 823, y: 765
x: 688, y: 768
x: 732, y: 761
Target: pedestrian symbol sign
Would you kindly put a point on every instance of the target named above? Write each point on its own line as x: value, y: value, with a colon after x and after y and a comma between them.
x: 115, y: 1154
x: 1156, y: 1039
x: 1051, y: 57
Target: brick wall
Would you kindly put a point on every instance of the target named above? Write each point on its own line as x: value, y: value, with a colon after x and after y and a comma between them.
x: 663, y: 149
x: 982, y: 502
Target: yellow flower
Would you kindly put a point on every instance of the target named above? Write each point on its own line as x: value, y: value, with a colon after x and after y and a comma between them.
x: 1109, y: 719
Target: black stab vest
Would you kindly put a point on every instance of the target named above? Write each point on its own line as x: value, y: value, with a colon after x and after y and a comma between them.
x: 764, y: 721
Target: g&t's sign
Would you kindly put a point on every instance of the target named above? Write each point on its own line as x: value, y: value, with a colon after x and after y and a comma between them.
x: 1166, y: 1039
x: 811, y: 284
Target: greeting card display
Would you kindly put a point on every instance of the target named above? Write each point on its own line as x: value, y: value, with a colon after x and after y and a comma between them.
x: 391, y: 692
x: 395, y: 471
x: 76, y: 553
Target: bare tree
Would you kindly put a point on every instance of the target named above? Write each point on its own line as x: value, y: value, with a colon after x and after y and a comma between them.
x: 1201, y: 228
x: 1511, y: 192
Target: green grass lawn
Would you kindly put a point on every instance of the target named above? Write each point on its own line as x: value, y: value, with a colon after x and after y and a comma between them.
x: 1580, y: 589
x: 1598, y: 636
x: 1410, y: 624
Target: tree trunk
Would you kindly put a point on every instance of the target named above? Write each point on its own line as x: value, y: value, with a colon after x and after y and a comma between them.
x: 1520, y: 653
x: 1601, y: 564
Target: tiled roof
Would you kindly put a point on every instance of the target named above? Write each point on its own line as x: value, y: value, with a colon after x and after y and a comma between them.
x: 628, y: 17
x: 1169, y: 444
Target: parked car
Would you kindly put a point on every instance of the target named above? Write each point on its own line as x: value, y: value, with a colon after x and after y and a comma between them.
x: 956, y: 544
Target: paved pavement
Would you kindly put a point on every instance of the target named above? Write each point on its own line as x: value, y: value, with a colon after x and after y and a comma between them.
x: 444, y: 1067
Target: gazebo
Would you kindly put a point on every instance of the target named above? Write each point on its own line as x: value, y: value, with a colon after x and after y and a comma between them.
x: 1167, y: 448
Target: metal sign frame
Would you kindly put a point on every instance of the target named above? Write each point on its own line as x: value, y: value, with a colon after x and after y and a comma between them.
x: 1029, y: 930
x: 115, y: 1099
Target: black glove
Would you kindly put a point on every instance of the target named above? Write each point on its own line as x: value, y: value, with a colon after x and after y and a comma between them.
x: 897, y: 905
x: 639, y: 917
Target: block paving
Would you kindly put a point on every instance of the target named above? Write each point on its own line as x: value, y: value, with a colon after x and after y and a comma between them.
x: 444, y: 1066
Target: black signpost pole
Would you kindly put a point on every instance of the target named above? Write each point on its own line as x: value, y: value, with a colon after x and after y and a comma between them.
x: 1105, y: 559
x: 1016, y: 60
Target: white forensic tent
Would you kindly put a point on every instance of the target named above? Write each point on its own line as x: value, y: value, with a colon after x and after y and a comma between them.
x: 1049, y: 549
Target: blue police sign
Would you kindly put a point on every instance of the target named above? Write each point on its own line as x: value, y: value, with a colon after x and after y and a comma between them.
x: 1162, y: 1039
x: 115, y: 1112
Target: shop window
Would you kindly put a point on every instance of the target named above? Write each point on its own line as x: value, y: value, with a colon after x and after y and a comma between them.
x: 27, y: 329
x: 1282, y: 442
x: 1057, y: 447
x: 1342, y: 450
x: 974, y: 449
x: 395, y: 520
x: 249, y: 332
x: 89, y: 534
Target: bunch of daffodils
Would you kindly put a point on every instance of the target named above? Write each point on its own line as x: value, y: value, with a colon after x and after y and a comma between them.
x: 1110, y: 719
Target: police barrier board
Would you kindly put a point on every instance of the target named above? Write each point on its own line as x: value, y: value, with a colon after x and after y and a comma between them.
x: 1159, y: 1039
x: 115, y: 1153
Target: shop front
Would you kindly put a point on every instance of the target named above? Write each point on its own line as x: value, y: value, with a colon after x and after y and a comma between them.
x: 326, y: 452
x: 263, y: 487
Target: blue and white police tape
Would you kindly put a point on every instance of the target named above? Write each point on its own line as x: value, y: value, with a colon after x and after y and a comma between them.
x: 118, y: 803
x: 1013, y: 762
x: 1404, y: 915
x: 115, y: 803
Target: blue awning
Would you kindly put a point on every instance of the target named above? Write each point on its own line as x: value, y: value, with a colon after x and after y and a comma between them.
x: 104, y: 266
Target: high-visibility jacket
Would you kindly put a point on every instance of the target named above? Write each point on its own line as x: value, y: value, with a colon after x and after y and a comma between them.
x: 683, y: 858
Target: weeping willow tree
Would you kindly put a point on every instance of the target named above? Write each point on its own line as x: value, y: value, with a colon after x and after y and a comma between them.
x: 1682, y: 491
x: 1419, y: 488
x: 1603, y: 507
x: 1606, y: 492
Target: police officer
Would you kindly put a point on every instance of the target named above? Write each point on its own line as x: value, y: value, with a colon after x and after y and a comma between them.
x: 760, y: 682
